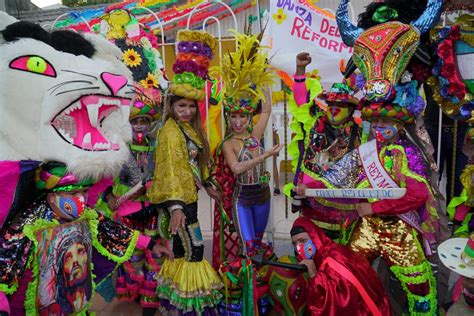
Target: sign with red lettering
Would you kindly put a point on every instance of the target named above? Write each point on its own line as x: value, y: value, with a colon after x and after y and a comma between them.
x: 298, y: 26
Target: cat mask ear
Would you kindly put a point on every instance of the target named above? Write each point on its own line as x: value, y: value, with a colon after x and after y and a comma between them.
x: 5, y: 20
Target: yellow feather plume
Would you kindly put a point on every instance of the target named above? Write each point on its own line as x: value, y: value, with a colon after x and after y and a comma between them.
x: 246, y: 72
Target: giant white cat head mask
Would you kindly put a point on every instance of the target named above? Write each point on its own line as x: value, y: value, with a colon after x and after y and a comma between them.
x: 65, y: 98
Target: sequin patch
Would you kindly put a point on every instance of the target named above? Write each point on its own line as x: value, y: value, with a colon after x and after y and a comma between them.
x: 196, y: 235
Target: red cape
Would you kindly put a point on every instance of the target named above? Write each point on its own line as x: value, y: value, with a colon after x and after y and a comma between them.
x: 340, y: 279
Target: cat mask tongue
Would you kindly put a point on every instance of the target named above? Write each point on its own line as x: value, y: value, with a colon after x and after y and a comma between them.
x: 80, y: 123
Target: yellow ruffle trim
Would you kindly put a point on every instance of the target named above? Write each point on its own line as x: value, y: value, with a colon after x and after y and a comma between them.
x: 189, y: 279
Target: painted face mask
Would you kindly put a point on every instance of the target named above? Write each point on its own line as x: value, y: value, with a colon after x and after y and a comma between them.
x: 140, y: 128
x: 383, y: 134
x: 337, y: 114
x: 71, y: 207
x: 305, y: 250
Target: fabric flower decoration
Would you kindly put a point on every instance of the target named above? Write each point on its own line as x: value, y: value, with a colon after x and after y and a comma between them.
x: 187, y: 77
x: 406, y: 94
x: 207, y: 51
x: 196, y: 48
x: 201, y: 71
x: 149, y: 82
x: 178, y: 67
x: 189, y: 66
x: 418, y: 106
x: 194, y: 36
x: 131, y: 58
x: 184, y: 47
x: 177, y: 79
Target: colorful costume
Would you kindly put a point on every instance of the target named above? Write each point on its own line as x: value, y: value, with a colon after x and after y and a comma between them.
x: 137, y: 277
x: 398, y: 229
x: 344, y: 284
x: 188, y: 284
x: 51, y: 249
x: 251, y: 192
x: 319, y: 144
x: 43, y: 236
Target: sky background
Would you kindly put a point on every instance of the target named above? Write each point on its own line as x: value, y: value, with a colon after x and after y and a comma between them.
x: 45, y: 3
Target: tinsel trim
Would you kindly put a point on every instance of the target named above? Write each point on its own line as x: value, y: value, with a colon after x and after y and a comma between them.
x: 197, y: 303
x: 426, y: 276
x: 301, y: 124
x: 101, y: 249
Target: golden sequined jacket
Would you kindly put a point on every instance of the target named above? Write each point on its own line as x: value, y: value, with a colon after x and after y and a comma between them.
x: 173, y: 179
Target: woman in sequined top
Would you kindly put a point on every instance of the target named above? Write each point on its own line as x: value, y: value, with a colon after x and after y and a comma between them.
x: 246, y: 159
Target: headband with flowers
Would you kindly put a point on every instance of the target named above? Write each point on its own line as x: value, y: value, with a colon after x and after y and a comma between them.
x: 140, y: 54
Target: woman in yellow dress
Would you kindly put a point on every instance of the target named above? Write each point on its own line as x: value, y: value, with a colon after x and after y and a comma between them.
x: 188, y: 284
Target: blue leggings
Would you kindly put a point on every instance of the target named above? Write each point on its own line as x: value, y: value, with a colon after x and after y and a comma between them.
x: 251, y: 221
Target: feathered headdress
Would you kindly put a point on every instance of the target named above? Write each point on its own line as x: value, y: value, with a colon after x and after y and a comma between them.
x: 244, y: 74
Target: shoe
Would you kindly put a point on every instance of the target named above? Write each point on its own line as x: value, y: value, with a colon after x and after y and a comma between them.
x: 276, y: 191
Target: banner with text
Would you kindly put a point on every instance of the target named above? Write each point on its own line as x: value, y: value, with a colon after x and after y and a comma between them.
x: 298, y: 26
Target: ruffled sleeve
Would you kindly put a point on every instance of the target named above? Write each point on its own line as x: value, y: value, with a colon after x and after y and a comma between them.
x: 301, y: 125
x: 416, y: 196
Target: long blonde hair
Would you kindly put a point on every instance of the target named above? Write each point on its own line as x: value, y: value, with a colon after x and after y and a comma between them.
x: 195, y: 122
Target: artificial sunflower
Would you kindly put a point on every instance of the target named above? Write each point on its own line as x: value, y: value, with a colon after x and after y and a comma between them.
x: 149, y: 82
x: 131, y: 58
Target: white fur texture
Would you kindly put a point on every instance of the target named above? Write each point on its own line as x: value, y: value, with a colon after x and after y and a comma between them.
x: 27, y: 106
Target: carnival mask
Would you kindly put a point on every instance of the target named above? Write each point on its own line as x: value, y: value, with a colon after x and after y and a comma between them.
x: 385, y: 133
x: 305, y: 250
x: 337, y: 114
x: 71, y: 206
x: 140, y: 127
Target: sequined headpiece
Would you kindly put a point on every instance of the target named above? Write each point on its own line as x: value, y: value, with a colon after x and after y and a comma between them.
x: 382, y: 54
x: 192, y: 64
x: 141, y: 56
x: 340, y: 92
x: 244, y: 73
x: 53, y: 176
